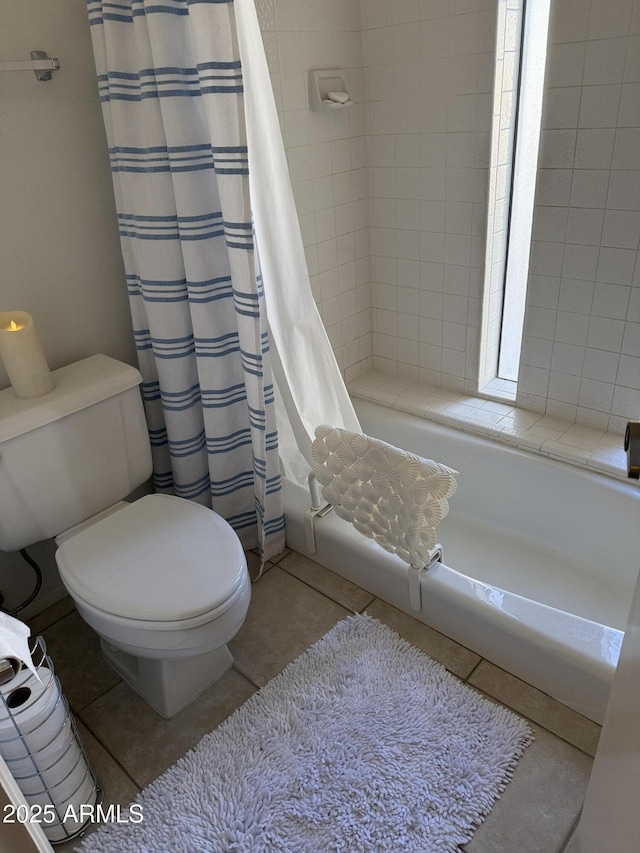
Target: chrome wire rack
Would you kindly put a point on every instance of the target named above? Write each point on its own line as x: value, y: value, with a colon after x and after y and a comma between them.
x: 43, y: 749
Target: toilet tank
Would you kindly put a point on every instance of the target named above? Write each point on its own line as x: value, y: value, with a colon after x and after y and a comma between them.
x: 71, y: 453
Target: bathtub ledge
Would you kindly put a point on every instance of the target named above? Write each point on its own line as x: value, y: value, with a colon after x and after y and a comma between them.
x: 576, y: 444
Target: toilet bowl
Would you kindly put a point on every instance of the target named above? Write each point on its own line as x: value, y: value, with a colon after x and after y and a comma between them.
x: 164, y: 583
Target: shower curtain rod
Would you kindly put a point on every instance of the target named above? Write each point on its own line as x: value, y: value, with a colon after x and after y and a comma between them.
x: 40, y: 63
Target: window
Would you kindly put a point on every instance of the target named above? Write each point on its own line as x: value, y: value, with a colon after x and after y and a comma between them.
x: 517, y: 110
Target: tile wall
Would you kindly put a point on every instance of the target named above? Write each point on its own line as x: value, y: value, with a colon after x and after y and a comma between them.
x: 581, y: 348
x: 327, y: 158
x: 429, y: 70
x: 392, y: 193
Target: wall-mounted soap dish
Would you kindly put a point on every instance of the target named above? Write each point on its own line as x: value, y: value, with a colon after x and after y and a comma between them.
x: 328, y: 90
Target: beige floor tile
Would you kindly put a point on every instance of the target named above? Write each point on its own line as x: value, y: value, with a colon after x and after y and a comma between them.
x: 327, y: 582
x: 536, y: 811
x: 537, y: 706
x: 146, y: 744
x: 118, y: 788
x: 455, y: 657
x: 285, y: 617
x: 74, y: 648
x: 50, y: 615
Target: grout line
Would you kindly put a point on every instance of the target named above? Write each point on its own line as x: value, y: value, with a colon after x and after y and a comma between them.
x: 109, y: 753
x: 482, y: 660
x: 50, y: 624
x: 320, y: 592
x: 541, y: 692
x: 266, y: 568
x: 534, y: 723
x: 281, y: 556
x: 245, y: 676
x: 369, y: 603
x: 79, y: 711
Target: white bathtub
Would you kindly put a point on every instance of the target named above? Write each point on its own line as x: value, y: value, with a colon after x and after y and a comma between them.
x: 539, y: 565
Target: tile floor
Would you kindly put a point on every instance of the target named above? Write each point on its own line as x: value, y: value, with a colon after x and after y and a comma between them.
x: 295, y: 603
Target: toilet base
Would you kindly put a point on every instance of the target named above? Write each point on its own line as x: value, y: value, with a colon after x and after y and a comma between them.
x: 168, y: 685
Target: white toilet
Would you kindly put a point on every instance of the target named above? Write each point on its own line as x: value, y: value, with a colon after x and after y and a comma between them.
x: 163, y: 580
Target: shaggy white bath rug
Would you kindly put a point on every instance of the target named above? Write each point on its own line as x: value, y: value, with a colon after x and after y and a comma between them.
x: 361, y: 744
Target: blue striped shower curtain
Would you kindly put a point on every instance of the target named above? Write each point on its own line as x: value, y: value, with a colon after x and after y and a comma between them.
x: 171, y: 88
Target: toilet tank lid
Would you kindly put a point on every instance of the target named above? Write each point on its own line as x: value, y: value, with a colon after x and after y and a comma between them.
x: 76, y: 387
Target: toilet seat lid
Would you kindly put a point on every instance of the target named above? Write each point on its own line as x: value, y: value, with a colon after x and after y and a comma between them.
x: 187, y: 562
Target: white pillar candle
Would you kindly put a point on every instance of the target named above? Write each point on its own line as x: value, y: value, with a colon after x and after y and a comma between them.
x: 22, y: 355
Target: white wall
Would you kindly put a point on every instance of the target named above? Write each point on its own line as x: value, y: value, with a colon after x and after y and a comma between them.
x: 59, y: 244
x: 59, y: 248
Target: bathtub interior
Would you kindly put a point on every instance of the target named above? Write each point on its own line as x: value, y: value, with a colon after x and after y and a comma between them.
x: 540, y: 528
